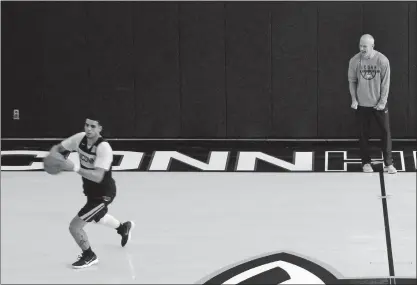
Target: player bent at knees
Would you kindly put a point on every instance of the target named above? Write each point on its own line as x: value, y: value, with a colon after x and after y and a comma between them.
x: 88, y: 257
x: 95, y: 168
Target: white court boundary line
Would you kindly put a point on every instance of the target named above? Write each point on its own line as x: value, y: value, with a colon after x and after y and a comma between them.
x: 131, y: 266
x: 222, y: 140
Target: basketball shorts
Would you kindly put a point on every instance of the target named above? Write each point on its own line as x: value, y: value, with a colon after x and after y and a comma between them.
x: 95, y: 208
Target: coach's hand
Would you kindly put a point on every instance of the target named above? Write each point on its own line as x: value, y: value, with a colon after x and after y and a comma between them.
x: 354, y: 105
x: 380, y: 106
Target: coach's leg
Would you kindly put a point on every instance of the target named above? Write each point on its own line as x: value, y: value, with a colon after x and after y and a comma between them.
x: 382, y: 118
x: 363, y: 115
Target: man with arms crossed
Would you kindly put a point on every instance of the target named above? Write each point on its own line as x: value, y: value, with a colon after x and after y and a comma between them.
x: 369, y: 82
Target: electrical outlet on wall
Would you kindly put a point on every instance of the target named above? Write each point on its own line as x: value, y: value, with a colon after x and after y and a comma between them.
x: 16, y: 114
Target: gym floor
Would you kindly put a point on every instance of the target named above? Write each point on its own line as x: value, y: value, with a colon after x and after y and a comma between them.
x: 193, y: 226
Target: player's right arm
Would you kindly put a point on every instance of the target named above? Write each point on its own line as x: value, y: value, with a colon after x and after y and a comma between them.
x: 68, y: 145
x: 58, y: 148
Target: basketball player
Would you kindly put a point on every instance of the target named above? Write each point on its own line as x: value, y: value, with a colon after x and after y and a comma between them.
x: 96, y: 170
x: 369, y: 82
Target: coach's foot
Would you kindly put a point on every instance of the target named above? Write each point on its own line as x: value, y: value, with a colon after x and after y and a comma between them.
x: 367, y: 168
x: 125, y: 231
x: 390, y: 169
x: 86, y: 259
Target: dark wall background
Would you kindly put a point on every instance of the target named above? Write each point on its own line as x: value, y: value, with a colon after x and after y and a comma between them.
x: 199, y: 69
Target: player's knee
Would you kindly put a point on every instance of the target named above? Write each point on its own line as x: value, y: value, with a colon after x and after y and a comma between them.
x: 73, y: 229
x: 76, y: 225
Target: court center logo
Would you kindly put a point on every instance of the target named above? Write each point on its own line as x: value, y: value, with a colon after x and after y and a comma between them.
x: 279, y: 268
x: 369, y: 72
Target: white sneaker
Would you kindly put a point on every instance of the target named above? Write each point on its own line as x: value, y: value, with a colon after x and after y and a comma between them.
x: 390, y: 169
x: 367, y: 168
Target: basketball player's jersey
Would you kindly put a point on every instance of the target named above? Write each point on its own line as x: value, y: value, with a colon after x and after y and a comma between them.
x: 97, y: 155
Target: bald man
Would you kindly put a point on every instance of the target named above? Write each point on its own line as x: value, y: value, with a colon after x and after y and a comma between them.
x: 369, y: 82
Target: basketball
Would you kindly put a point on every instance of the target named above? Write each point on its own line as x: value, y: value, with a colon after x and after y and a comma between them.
x: 52, y: 163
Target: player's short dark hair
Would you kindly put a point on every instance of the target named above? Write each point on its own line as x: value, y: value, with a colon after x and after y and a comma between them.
x: 95, y: 118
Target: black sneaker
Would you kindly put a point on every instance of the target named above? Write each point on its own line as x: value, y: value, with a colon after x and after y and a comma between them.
x: 124, y: 231
x: 86, y: 259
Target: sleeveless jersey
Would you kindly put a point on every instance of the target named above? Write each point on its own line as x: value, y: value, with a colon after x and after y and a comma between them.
x: 87, y: 156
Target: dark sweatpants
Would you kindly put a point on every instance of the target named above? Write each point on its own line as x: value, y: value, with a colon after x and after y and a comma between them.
x: 382, y: 118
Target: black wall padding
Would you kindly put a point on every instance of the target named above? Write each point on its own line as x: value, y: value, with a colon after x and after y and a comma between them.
x: 156, y: 67
x: 294, y: 69
x: 21, y: 76
x: 339, y: 31
x: 202, y: 65
x: 389, y: 26
x: 200, y: 69
x: 412, y: 65
x: 111, y: 64
x: 65, y: 67
x: 248, y: 69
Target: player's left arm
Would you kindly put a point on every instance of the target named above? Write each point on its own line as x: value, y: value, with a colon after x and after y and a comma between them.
x: 104, y: 159
x: 95, y: 175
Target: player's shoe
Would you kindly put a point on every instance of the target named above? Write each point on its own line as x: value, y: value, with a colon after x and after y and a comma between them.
x: 86, y: 259
x: 125, y: 231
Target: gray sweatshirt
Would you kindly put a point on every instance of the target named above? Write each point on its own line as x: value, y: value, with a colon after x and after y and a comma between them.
x: 372, y: 77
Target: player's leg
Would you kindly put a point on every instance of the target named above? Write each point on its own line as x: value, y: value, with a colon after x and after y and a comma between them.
x: 363, y: 115
x: 382, y: 119
x: 85, y: 215
x: 123, y: 229
x: 109, y: 221
x: 78, y: 233
x: 105, y: 219
x: 88, y: 257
